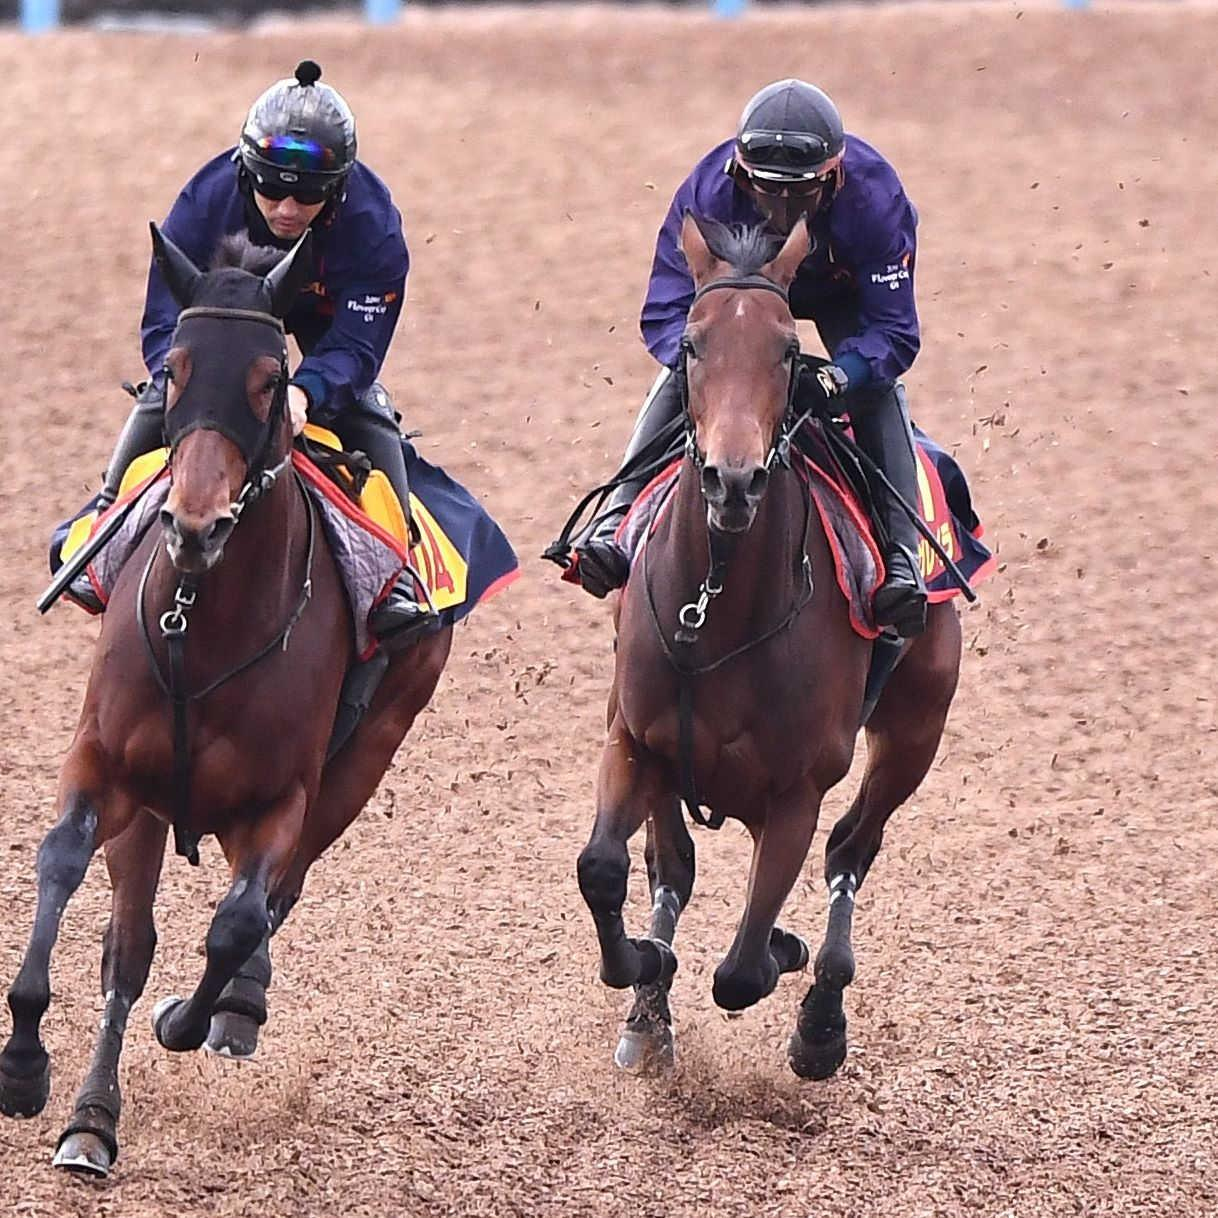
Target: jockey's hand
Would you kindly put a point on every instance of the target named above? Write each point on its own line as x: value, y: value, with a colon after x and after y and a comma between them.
x: 832, y: 381
x: 298, y: 408
x: 602, y: 567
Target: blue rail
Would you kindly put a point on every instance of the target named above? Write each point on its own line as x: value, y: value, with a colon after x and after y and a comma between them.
x: 38, y: 16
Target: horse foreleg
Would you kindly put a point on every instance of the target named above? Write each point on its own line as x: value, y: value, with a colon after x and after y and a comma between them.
x: 632, y: 781
x: 647, y: 1041
x: 89, y: 1143
x: 902, y: 738
x: 259, y: 854
x: 348, y: 782
x: 63, y: 859
x: 761, y: 952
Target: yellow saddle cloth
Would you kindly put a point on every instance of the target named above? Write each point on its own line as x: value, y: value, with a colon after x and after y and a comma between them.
x: 432, y: 554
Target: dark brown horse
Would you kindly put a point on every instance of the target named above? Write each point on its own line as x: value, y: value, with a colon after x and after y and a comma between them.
x: 738, y: 677
x: 253, y: 649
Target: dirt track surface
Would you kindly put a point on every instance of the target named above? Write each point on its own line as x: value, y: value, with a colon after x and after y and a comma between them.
x: 1032, y: 1028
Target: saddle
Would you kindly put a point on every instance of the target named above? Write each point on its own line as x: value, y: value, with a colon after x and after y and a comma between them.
x: 840, y: 493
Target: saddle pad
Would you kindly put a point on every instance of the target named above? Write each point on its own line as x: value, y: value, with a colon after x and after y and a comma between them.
x: 462, y: 557
x: 943, y: 501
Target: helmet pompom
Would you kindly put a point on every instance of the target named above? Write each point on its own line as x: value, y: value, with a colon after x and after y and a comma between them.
x: 308, y: 72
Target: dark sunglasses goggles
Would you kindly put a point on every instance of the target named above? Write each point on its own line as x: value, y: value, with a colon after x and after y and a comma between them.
x: 767, y: 183
x: 310, y: 196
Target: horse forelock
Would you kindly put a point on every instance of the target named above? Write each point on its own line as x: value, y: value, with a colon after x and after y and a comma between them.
x: 237, y: 250
x: 746, y: 248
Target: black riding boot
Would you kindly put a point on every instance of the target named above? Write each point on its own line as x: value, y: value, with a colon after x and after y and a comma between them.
x: 371, y: 429
x: 883, y: 432
x: 142, y: 432
x: 602, y: 564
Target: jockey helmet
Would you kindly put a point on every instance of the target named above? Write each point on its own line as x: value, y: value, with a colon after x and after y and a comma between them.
x: 789, y: 148
x: 299, y: 138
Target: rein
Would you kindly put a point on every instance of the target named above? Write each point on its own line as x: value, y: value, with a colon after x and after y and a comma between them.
x: 174, y: 623
x: 692, y: 616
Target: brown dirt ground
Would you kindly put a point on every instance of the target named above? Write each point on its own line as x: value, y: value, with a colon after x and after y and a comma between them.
x: 1032, y: 1028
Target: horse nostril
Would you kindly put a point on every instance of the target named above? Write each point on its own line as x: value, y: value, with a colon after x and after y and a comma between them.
x: 713, y: 489
x: 218, y: 533
x: 757, y: 483
x: 169, y: 522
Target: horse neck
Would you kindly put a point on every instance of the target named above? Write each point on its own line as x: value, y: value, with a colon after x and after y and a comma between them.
x: 762, y: 576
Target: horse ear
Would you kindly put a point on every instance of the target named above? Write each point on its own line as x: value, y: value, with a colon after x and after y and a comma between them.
x: 693, y: 245
x: 795, y: 249
x: 180, y: 274
x: 286, y: 279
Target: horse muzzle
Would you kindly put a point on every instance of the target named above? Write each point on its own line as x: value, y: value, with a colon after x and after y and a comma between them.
x: 195, y: 546
x: 732, y: 496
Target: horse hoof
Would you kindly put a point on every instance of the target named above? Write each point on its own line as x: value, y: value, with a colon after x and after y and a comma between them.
x: 84, y: 1154
x: 232, y: 1035
x: 736, y: 991
x: 790, y: 952
x: 161, y: 1014
x: 22, y: 1096
x: 645, y: 1048
x: 818, y: 1059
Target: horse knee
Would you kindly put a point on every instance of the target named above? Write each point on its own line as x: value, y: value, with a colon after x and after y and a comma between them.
x: 63, y: 857
x: 602, y: 870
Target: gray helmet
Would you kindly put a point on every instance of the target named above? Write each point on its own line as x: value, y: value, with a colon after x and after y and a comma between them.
x: 790, y: 130
x: 299, y: 138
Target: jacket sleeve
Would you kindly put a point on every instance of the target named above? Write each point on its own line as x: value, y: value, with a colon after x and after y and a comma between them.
x: 670, y: 290
x: 888, y: 336
x: 188, y: 227
x: 348, y: 358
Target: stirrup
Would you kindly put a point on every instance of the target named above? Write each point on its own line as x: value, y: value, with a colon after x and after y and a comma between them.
x: 82, y: 591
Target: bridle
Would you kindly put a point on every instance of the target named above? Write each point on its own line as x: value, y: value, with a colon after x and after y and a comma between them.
x: 253, y: 438
x: 780, y: 450
x: 692, y: 616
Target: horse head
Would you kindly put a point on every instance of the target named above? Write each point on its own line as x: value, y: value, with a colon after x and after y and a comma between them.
x: 226, y: 374
x: 739, y: 356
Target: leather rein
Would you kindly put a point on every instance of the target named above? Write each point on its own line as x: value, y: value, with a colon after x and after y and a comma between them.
x: 692, y: 616
x: 173, y: 623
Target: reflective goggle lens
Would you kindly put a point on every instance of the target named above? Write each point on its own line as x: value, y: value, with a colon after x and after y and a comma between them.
x: 790, y: 149
x: 295, y: 152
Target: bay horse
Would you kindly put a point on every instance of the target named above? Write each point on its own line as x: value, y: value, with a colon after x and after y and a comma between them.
x: 256, y: 679
x: 739, y: 681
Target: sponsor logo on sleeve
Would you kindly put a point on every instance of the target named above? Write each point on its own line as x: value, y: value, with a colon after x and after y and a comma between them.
x: 371, y: 307
x: 892, y: 275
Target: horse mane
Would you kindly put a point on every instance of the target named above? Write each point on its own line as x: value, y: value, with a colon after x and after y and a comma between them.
x: 745, y: 247
x: 237, y: 251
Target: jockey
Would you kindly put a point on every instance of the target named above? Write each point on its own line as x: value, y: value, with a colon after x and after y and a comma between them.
x: 295, y: 168
x: 791, y: 158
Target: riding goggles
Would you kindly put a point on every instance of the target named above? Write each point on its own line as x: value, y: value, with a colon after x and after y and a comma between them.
x: 795, y: 153
x: 308, y: 195
x: 296, y: 152
x: 766, y: 183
